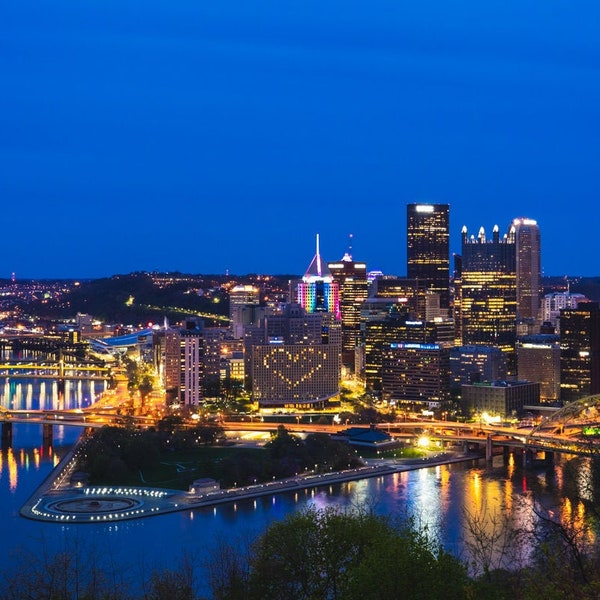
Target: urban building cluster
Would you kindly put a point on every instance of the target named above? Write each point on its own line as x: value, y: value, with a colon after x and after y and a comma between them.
x: 483, y: 332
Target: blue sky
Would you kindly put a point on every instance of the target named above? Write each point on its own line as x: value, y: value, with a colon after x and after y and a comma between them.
x: 212, y: 136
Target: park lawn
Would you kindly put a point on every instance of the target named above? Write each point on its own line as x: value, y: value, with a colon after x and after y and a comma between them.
x: 177, y: 470
x: 409, y: 452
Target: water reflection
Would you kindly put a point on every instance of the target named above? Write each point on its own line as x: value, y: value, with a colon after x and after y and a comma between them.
x: 41, y: 394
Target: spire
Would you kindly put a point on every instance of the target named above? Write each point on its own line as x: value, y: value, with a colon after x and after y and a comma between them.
x: 318, y: 257
x: 315, y: 269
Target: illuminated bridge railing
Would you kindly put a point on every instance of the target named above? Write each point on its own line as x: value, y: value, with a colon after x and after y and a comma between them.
x: 54, y: 371
x: 571, y: 445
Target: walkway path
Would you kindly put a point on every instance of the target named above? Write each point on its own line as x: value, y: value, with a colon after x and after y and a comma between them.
x: 57, y: 500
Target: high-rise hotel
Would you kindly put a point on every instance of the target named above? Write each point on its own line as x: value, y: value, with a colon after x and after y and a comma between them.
x: 428, y: 248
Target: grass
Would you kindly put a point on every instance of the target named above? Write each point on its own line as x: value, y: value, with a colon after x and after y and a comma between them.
x: 394, y: 453
x: 177, y: 470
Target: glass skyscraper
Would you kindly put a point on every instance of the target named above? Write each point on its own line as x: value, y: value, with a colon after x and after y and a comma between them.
x: 428, y: 247
x: 527, y: 237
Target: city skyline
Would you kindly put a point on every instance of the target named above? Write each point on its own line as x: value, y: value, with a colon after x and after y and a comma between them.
x: 207, y: 139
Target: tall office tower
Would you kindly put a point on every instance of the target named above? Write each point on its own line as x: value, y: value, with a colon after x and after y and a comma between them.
x: 416, y: 375
x: 351, y: 277
x: 553, y: 303
x: 296, y: 369
x: 579, y: 351
x: 428, y: 247
x: 318, y: 292
x: 488, y: 305
x: 538, y: 359
x: 528, y: 267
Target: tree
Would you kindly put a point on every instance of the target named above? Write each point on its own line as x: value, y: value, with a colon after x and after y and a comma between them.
x: 333, y: 555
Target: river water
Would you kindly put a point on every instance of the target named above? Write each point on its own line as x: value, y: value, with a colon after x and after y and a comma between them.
x: 440, y: 498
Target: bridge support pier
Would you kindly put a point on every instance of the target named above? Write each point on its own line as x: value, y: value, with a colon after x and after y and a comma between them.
x: 548, y: 458
x: 7, y: 435
x: 489, y: 453
x: 47, y: 435
x: 519, y: 457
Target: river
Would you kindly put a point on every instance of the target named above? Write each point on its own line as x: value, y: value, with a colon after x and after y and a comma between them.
x: 440, y: 498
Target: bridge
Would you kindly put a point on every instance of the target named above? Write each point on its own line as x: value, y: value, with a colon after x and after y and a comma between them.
x: 74, y: 418
x: 574, y: 429
x: 58, y: 370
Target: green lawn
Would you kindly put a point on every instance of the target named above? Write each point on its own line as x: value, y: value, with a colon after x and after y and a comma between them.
x: 177, y: 470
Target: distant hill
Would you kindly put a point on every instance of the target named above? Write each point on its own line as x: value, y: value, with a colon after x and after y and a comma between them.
x: 136, y: 298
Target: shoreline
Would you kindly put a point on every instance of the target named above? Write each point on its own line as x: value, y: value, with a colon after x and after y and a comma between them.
x: 55, y: 502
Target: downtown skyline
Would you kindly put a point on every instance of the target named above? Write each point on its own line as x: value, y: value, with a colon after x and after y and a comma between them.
x: 207, y: 139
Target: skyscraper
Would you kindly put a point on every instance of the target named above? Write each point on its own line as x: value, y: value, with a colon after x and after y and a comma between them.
x: 579, y: 351
x: 528, y: 268
x: 428, y: 247
x: 488, y: 296
x: 317, y: 291
x: 351, y: 277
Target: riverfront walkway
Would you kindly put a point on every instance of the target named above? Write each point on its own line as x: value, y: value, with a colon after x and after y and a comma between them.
x: 56, y: 500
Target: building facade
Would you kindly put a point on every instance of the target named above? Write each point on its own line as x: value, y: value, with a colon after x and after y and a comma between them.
x: 528, y: 268
x: 538, y: 359
x: 488, y: 295
x: 317, y: 291
x: 416, y: 375
x: 296, y: 362
x: 579, y: 351
x: 499, y: 398
x: 475, y: 364
x: 351, y: 277
x: 428, y: 247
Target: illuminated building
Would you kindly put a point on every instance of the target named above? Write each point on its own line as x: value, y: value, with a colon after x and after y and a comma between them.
x: 386, y: 321
x: 538, y: 359
x: 428, y: 247
x: 579, y: 351
x: 416, y: 374
x: 244, y: 308
x: 474, y: 364
x: 351, y: 277
x: 553, y: 303
x: 298, y: 361
x: 418, y: 298
x: 379, y: 318
x: 184, y: 364
x: 528, y: 267
x: 232, y: 364
x: 488, y: 295
x: 191, y: 361
x: 499, y: 398
x: 318, y: 292
x: 211, y: 377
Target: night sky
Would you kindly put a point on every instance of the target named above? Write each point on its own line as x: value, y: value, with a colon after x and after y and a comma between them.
x: 210, y: 136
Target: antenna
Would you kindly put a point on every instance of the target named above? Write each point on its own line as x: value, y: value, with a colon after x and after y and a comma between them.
x: 318, y: 256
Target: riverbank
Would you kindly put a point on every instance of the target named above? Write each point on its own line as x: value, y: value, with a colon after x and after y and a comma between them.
x: 56, y: 500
